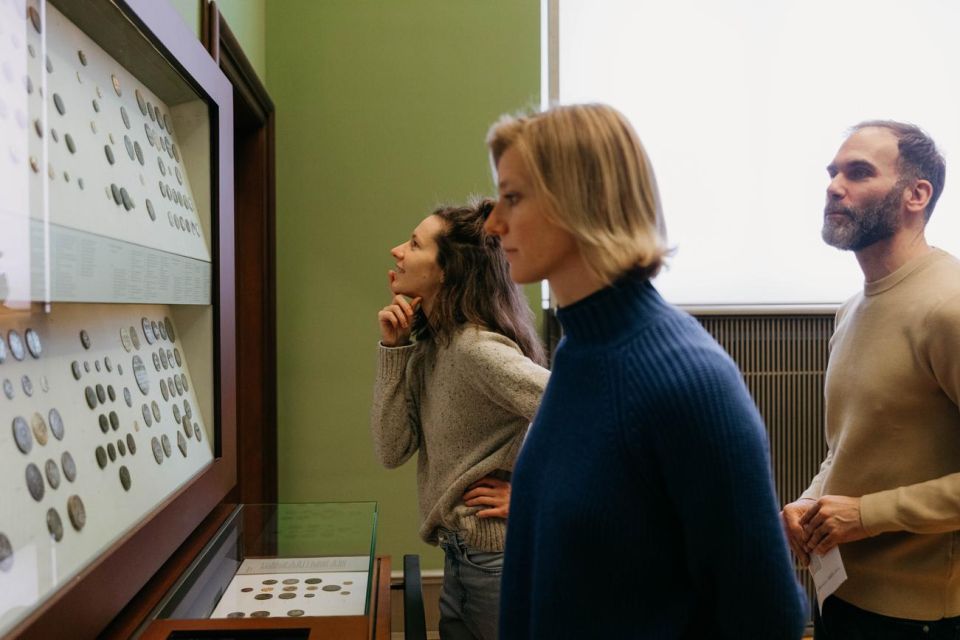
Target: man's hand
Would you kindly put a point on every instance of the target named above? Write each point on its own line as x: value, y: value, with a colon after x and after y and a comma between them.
x: 492, y: 493
x: 790, y: 516
x: 831, y: 521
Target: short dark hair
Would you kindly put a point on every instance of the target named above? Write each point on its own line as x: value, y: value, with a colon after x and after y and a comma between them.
x: 476, y: 286
x: 919, y: 157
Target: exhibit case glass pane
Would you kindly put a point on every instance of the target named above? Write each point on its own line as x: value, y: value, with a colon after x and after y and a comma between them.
x: 107, y: 314
x: 282, y: 561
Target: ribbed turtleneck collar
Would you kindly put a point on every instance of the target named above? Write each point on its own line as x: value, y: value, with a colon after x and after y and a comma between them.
x: 611, y: 313
x: 898, y: 276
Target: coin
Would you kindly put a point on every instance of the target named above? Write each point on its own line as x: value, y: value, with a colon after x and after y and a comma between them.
x: 34, y: 16
x: 295, y: 613
x: 111, y: 451
x: 96, y: 108
x: 140, y: 373
x: 101, y: 455
x: 128, y: 144
x: 182, y: 444
x: 176, y: 414
x: 313, y: 580
x: 104, y: 423
x: 114, y: 420
x: 176, y: 170
x: 131, y: 444
x: 121, y: 447
x: 16, y: 344
x: 196, y: 431
x: 134, y: 338
x: 3, y: 350
x: 165, y: 441
x: 58, y: 103
x: 176, y: 154
x: 56, y: 424
x: 125, y: 117
x: 151, y: 136
x: 91, y: 396
x: 117, y: 194
x: 125, y: 340
x: 187, y: 427
x: 54, y: 525
x: 140, y: 101
x: 125, y: 478
x: 35, y: 482
x: 49, y: 67
x: 109, y: 153
x: 176, y: 356
x: 157, y: 450
x: 163, y: 359
x: 76, y: 511
x: 156, y: 361
x: 39, y: 429
x: 331, y: 587
x: 8, y: 388
x: 26, y: 385
x: 150, y: 111
x: 69, y: 466
x: 21, y: 435
x: 287, y: 596
x: 85, y: 338
x: 260, y: 614
x: 263, y: 596
x: 127, y: 200
x: 147, y: 418
x: 33, y: 343
x: 163, y: 390
x: 150, y: 210
x: 236, y: 614
x: 71, y: 145
x: 83, y: 57
x: 138, y: 150
x: 147, y: 331
x: 111, y: 393
x: 126, y: 397
x: 44, y: 383
x: 86, y: 366
x: 96, y: 365
x: 156, y: 410
x: 101, y: 393
x: 116, y: 83
x: 53, y: 474
x: 291, y: 581
x: 178, y: 384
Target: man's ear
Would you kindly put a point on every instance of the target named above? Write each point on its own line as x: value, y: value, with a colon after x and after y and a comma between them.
x: 917, y: 196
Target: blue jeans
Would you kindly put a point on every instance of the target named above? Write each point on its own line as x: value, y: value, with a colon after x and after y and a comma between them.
x: 470, y: 597
x: 841, y: 620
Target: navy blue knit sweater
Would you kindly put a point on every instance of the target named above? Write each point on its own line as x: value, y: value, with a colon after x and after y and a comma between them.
x: 642, y: 502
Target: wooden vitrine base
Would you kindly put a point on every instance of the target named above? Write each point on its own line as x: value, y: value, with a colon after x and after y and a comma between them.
x: 374, y: 626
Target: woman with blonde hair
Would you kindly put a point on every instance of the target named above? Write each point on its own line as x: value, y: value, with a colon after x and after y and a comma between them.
x: 642, y: 501
x: 460, y: 395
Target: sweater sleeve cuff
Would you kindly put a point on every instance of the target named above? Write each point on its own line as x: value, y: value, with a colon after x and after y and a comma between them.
x: 392, y: 361
x: 878, y: 512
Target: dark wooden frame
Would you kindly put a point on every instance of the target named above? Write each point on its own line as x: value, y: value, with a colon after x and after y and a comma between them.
x: 255, y: 216
x: 86, y: 605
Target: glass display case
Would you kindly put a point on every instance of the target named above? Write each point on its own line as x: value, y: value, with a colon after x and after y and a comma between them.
x: 116, y: 311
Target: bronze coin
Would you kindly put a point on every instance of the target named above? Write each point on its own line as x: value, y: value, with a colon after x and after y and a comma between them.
x: 101, y: 455
x: 163, y: 390
x: 147, y: 418
x: 236, y: 614
x: 313, y: 580
x: 39, y: 426
x: 134, y: 338
x: 58, y: 103
x: 21, y: 435
x: 101, y: 392
x: 121, y: 447
x: 196, y: 431
x: 309, y: 595
x: 165, y: 443
x: 295, y: 613
x: 289, y: 588
x: 34, y: 17
x: 157, y: 450
x: 53, y: 473
x: 38, y: 127
x: 156, y: 410
x: 176, y: 356
x: 291, y: 581
x: 6, y: 553
x: 54, y: 525
x: 116, y: 83
x: 33, y: 343
x: 260, y: 614
x: 69, y: 466
x: 111, y: 393
x: 104, y: 423
x: 263, y: 596
x: 26, y: 385
x: 35, y: 482
x: 91, y: 396
x: 125, y: 478
x: 127, y: 397
x: 140, y: 374
x: 111, y: 451
x: 114, y: 420
x: 287, y: 596
x: 8, y: 388
x: 182, y: 444
x: 77, y: 512
x: 16, y: 345
x: 270, y: 581
x: 34, y: 165
x: 141, y: 102
x: 109, y: 153
x: 56, y: 423
x: 246, y: 589
x: 156, y: 361
x: 84, y: 338
x: 131, y: 444
x: 331, y: 587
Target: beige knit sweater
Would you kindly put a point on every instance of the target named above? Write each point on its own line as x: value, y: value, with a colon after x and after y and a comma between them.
x: 893, y: 432
x: 464, y: 408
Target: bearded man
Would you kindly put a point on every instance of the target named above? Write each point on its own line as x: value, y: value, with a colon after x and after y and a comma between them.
x: 888, y: 492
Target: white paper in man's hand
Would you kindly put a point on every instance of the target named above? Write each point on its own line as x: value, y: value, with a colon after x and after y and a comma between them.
x: 827, y: 572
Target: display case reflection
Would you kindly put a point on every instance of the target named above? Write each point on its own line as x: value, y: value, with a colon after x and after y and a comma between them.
x: 106, y: 319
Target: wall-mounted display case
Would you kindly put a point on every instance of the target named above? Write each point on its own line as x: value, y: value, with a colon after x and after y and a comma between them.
x: 117, y: 375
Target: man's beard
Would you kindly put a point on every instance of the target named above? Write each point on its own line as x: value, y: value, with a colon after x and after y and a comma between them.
x: 865, y: 226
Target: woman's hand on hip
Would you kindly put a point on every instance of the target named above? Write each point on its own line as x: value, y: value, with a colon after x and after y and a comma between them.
x: 491, y: 493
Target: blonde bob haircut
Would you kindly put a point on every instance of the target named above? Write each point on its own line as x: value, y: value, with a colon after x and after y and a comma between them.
x: 587, y: 163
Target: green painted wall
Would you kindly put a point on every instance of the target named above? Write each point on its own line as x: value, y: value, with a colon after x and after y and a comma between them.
x: 382, y: 108
x: 247, y: 20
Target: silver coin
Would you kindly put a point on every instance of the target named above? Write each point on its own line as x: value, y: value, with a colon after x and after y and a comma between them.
x: 96, y: 365
x: 44, y: 383
x: 156, y: 112
x: 114, y: 420
x: 156, y: 361
x: 69, y: 466
x: 117, y: 194
x: 83, y: 57
x: 170, y: 357
x: 125, y: 340
x: 116, y: 83
x: 162, y: 328
x: 33, y: 343
x: 182, y: 444
x: 56, y: 424
x: 127, y: 200
x: 131, y: 444
x: 8, y: 388
x: 157, y: 450
x: 295, y: 613
x: 163, y: 359
x: 58, y: 103
x: 134, y: 338
x: 16, y: 344
x: 111, y: 451
x: 287, y: 596
x: 126, y: 397
x: 331, y: 587
x: 121, y: 447
x: 260, y: 614
x: 85, y: 338
x: 6, y: 553
x: 49, y: 66
x: 96, y: 108
x: 125, y: 117
x: 150, y: 210
x: 101, y: 455
x: 53, y: 474
x: 21, y: 435
x: 125, y: 478
x: 236, y: 614
x: 104, y: 423
x: 163, y: 168
x: 176, y: 414
x: 171, y: 387
x: 71, y: 145
x: 128, y: 144
x: 27, y: 385
x: 141, y: 102
x: 139, y: 152
x: 147, y: 331
x: 187, y: 409
x: 140, y: 373
x: 156, y: 410
x: 35, y: 482
x: 39, y: 426
x: 263, y: 596
x: 151, y: 136
x: 109, y: 153
x: 101, y: 393
x: 3, y: 350
x: 196, y: 431
x: 176, y: 170
x: 165, y: 442
x: 147, y: 418
x: 77, y: 512
x: 86, y: 366
x: 187, y: 427
x: 54, y: 525
x: 176, y: 356
x: 91, y: 397
x: 178, y: 384
x: 163, y: 390
x: 176, y: 154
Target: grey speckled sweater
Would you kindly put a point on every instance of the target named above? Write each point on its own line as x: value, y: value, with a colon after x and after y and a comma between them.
x: 465, y: 408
